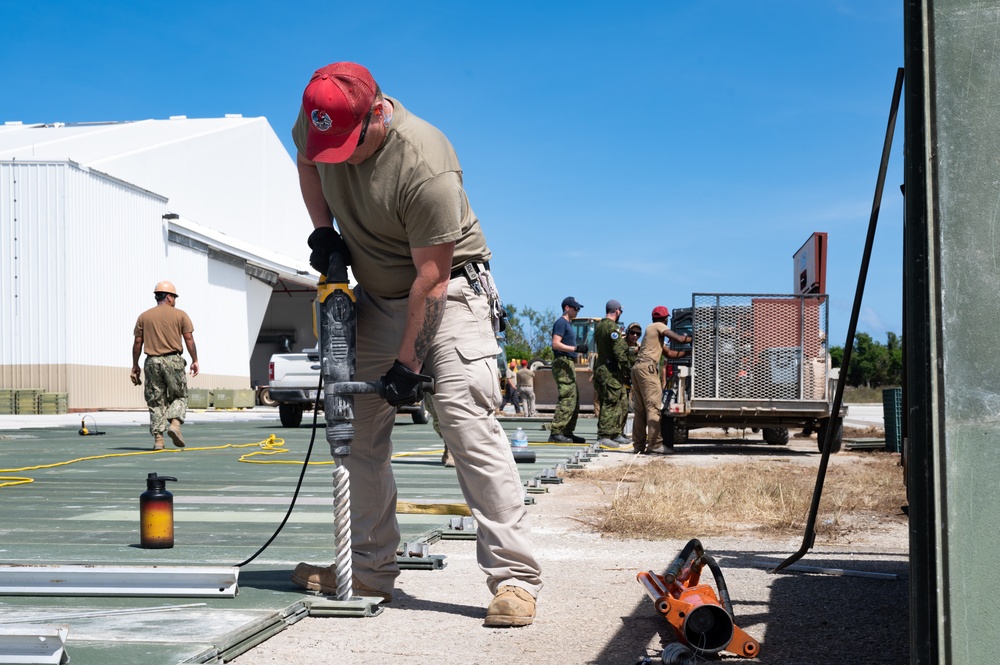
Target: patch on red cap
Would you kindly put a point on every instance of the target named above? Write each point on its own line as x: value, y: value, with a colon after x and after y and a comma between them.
x: 336, y: 101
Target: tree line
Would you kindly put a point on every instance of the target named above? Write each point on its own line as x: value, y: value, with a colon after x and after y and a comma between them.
x: 529, y: 333
x: 873, y: 364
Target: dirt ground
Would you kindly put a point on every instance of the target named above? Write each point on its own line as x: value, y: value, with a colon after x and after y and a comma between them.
x: 592, y: 609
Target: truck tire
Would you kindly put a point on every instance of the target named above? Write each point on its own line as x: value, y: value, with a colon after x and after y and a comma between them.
x: 838, y: 434
x: 264, y: 397
x: 776, y: 436
x: 290, y: 414
x: 672, y: 431
x: 420, y: 417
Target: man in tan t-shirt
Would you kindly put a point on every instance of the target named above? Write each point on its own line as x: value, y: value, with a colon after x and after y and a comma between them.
x: 647, y: 387
x: 427, y: 307
x: 161, y: 331
x: 526, y: 388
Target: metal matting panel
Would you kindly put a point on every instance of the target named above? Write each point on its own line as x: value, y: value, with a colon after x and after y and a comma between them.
x: 34, y: 643
x: 760, y: 347
x: 91, y: 580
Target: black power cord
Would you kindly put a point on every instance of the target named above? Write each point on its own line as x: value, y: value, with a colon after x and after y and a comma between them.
x: 298, y: 485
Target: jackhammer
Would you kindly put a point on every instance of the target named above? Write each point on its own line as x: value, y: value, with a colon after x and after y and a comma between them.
x: 336, y: 323
x: 700, y: 619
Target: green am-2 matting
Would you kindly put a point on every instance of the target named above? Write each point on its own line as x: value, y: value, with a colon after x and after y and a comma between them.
x: 87, y: 512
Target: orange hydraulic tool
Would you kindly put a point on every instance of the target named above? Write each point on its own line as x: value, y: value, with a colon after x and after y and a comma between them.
x: 700, y: 619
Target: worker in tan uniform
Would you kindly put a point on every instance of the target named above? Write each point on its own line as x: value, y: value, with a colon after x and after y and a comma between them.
x: 526, y: 388
x: 160, y: 332
x: 427, y: 307
x: 647, y: 386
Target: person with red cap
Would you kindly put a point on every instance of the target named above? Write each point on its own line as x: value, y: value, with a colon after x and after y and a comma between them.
x: 647, y: 389
x: 526, y: 388
x: 427, y: 307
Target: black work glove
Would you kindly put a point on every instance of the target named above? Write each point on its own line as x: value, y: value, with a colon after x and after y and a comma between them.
x: 401, y: 385
x: 323, y: 242
x: 581, y: 348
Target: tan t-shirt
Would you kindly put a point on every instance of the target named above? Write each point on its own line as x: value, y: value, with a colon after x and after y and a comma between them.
x: 162, y: 330
x: 526, y: 378
x: 408, y: 194
x: 651, y: 346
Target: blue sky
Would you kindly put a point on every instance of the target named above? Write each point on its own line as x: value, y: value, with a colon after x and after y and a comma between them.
x: 637, y: 151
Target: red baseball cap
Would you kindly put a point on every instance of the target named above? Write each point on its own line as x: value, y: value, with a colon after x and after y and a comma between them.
x: 336, y: 102
x: 660, y: 312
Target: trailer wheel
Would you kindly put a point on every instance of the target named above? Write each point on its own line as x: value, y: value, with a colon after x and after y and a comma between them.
x: 672, y: 431
x: 776, y: 436
x: 264, y: 397
x: 290, y: 414
x: 680, y: 433
x: 838, y: 434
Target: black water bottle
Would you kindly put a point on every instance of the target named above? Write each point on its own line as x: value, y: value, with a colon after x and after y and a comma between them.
x: 156, y: 513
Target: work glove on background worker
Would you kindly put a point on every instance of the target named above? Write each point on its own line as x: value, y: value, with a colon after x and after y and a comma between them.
x: 324, y: 242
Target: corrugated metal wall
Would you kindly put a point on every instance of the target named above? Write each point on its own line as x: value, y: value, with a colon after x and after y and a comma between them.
x: 80, y: 253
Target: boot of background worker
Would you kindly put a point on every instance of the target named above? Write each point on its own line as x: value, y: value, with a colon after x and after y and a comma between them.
x: 174, y: 432
x: 447, y: 459
x: 622, y: 440
x: 157, y: 441
x: 324, y: 580
x: 512, y: 606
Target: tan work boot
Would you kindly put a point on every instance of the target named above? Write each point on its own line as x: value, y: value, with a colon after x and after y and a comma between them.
x: 447, y: 459
x: 157, y: 441
x: 512, y: 606
x: 324, y: 580
x: 174, y: 432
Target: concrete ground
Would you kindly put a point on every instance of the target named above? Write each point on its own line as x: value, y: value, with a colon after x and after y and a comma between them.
x: 592, y: 609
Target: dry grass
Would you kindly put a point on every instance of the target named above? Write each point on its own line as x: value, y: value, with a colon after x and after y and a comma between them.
x: 663, y: 500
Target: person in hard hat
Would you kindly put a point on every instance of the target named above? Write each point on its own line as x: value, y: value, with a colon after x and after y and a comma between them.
x: 565, y: 350
x: 609, y: 376
x: 647, y: 387
x: 427, y: 307
x: 162, y: 332
x: 526, y: 388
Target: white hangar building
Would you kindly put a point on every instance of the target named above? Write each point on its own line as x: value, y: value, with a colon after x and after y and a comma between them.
x: 93, y: 215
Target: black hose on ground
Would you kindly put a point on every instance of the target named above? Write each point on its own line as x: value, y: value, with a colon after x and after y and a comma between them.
x: 720, y: 584
x: 693, y: 547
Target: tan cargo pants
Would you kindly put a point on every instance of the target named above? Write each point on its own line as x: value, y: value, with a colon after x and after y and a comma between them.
x: 462, y: 360
x: 648, y: 396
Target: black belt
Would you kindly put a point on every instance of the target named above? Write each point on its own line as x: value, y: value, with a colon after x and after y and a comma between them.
x: 480, y: 266
x: 559, y: 354
x: 172, y: 353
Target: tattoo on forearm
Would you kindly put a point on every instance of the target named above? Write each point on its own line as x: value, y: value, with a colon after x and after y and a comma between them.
x: 433, y: 313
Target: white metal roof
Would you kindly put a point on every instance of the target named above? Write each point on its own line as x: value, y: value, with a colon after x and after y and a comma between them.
x: 229, y: 174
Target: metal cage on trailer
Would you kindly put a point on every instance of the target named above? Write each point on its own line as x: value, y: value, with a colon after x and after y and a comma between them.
x: 758, y: 361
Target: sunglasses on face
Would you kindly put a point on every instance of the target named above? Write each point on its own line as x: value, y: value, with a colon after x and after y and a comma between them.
x: 364, y: 127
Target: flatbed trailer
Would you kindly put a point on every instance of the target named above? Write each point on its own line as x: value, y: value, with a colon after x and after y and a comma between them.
x: 758, y: 361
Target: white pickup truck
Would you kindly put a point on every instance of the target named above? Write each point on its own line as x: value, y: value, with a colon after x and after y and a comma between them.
x: 294, y: 383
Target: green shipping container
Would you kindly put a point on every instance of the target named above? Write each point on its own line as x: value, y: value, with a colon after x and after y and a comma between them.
x: 245, y: 398
x: 198, y: 398
x: 223, y: 399
x: 892, y: 412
